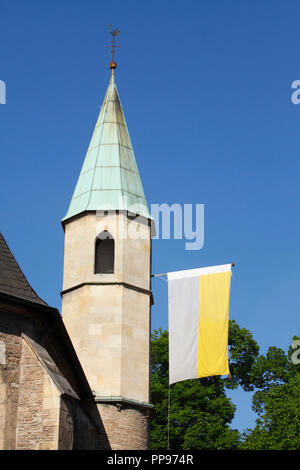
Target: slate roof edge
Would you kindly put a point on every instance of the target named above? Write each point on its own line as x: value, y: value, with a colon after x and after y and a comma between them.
x: 15, y: 265
x: 25, y: 301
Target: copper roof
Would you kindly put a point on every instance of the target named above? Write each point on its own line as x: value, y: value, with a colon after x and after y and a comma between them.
x: 109, y: 177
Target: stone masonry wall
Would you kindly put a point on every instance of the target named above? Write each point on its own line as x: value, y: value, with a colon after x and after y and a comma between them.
x: 127, y: 428
x: 9, y: 386
x: 30, y: 402
x: 66, y: 424
x: 37, y: 424
x: 32, y: 409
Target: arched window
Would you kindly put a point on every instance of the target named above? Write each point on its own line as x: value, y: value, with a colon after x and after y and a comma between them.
x: 104, y: 254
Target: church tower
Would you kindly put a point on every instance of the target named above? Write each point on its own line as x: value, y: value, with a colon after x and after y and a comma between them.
x: 106, y: 297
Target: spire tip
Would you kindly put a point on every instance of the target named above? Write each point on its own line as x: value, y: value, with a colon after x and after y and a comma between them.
x: 113, y: 46
x: 113, y: 65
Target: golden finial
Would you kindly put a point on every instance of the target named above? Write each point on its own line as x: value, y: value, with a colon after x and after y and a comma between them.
x: 113, y: 46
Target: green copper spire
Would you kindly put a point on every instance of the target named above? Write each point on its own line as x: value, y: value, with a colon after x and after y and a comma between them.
x: 109, y: 178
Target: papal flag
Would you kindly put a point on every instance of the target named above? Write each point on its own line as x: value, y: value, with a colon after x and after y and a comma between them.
x: 198, y: 322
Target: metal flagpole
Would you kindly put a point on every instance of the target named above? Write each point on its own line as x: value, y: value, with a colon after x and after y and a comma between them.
x: 169, y: 407
x: 165, y: 274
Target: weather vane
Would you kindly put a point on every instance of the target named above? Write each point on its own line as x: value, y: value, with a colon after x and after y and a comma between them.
x: 113, y: 46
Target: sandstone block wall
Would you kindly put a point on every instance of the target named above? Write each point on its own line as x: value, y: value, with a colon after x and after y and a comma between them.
x: 128, y: 428
x: 132, y: 250
x: 109, y: 322
x: 38, y: 407
x: 11, y: 347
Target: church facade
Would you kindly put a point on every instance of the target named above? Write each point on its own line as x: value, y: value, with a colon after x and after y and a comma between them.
x: 82, y: 380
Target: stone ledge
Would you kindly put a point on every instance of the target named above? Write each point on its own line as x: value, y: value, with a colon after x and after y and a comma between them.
x: 122, y: 402
x: 124, y: 284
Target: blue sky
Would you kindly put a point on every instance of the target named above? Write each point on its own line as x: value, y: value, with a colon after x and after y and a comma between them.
x: 206, y: 91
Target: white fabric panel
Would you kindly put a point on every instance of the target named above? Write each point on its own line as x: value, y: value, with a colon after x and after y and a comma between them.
x: 199, y: 271
x: 183, y: 328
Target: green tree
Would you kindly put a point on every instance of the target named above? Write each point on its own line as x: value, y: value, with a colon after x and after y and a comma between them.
x: 200, y: 411
x: 277, y: 402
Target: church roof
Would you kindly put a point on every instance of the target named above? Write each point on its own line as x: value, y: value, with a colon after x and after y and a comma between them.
x: 12, y: 278
x: 109, y: 178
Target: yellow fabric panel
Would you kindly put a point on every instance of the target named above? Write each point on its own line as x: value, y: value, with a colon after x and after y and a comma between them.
x: 213, y: 324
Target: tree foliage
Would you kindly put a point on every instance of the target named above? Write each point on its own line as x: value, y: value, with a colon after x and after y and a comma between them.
x: 200, y: 411
x: 277, y: 402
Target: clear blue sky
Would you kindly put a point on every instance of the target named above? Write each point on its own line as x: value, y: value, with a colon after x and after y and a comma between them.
x: 206, y: 91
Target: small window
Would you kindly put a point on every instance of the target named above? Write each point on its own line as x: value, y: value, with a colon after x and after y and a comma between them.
x: 104, y: 254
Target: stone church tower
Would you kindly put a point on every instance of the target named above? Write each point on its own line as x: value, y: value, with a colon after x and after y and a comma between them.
x: 106, y: 297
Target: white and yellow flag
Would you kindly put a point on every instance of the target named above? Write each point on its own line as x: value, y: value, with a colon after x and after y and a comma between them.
x: 198, y: 322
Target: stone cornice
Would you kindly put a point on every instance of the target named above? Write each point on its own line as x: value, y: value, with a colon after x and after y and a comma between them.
x: 124, y: 284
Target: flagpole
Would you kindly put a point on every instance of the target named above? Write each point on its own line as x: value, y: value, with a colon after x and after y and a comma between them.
x: 169, y: 406
x: 165, y: 274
